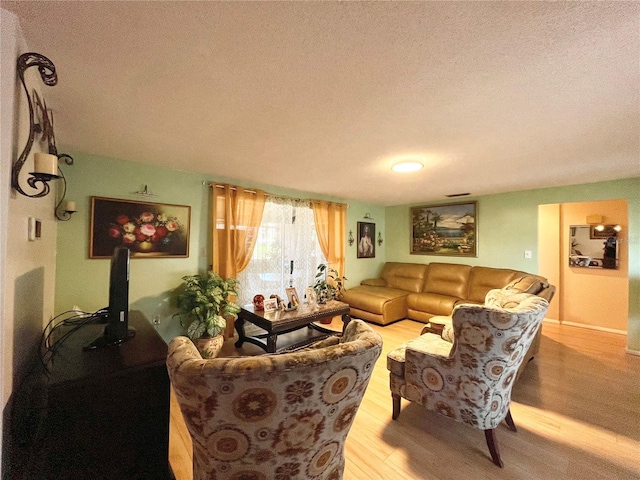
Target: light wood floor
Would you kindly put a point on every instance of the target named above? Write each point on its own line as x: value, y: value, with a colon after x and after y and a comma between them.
x: 577, y: 408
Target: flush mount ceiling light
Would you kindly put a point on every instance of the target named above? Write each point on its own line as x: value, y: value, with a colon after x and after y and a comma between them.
x: 407, y: 166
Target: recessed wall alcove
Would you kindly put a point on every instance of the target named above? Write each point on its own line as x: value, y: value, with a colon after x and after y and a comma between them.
x: 588, y: 297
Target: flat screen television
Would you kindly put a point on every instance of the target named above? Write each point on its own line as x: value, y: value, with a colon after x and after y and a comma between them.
x: 117, y: 328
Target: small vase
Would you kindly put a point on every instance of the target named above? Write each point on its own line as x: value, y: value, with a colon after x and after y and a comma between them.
x: 209, y: 346
x: 145, y: 247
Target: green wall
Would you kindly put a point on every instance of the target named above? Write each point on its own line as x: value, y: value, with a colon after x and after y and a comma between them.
x: 84, y: 282
x: 507, y: 226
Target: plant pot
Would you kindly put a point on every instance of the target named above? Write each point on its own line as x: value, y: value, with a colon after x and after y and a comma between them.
x: 209, y: 346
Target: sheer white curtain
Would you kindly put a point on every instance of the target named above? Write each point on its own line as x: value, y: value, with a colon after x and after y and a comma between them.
x: 287, y: 236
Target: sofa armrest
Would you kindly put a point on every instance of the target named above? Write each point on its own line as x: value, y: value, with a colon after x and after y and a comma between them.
x: 374, y: 282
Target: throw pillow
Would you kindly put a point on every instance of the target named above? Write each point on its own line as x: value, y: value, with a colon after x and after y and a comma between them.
x: 527, y: 284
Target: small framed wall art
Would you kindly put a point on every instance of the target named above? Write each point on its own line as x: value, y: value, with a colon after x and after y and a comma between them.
x: 149, y: 230
x: 366, y: 244
x: 449, y: 229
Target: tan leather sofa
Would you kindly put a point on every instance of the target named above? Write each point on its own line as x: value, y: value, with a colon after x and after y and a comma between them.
x: 421, y: 291
x: 429, y: 292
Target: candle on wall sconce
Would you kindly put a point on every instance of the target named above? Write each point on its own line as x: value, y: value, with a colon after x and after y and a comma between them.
x: 63, y: 213
x: 45, y: 163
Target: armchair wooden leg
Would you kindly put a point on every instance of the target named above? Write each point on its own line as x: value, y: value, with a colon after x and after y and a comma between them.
x: 492, y: 443
x: 396, y: 405
x: 510, y: 423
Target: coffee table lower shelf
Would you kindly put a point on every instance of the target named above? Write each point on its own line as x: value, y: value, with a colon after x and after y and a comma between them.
x: 293, y: 339
x: 281, y: 331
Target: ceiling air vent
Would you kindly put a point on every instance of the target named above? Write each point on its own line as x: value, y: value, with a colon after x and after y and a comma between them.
x: 458, y: 195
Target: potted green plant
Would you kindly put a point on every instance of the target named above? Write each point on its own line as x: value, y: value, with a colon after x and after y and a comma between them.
x: 328, y: 284
x: 203, y: 306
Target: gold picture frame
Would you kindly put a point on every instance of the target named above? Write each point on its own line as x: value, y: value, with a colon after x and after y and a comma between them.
x: 447, y: 229
x: 149, y: 230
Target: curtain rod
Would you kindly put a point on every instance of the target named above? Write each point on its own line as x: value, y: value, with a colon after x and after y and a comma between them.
x: 284, y: 197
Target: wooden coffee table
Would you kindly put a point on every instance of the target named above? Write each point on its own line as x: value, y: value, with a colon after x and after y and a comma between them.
x: 281, y: 322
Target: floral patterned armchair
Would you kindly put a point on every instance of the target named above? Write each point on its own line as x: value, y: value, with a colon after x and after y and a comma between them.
x: 470, y: 378
x: 276, y: 416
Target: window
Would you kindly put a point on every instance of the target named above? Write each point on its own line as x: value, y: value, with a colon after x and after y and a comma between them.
x: 287, y: 251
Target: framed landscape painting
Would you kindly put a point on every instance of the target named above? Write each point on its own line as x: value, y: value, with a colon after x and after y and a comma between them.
x: 449, y: 229
x: 149, y: 230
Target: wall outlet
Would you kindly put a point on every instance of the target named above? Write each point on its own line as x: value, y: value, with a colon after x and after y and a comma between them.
x: 527, y: 254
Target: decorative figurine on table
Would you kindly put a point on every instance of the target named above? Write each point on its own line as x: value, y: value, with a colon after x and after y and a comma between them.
x: 310, y: 295
x: 258, y: 302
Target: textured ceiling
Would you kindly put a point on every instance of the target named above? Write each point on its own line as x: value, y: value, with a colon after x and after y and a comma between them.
x: 323, y: 96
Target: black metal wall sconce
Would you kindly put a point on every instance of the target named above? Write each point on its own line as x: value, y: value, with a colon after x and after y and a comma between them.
x: 351, y: 239
x: 45, y: 164
x: 380, y: 238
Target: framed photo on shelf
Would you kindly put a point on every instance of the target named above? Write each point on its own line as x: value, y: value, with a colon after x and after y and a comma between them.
x: 450, y: 229
x: 270, y: 304
x: 149, y: 230
x: 292, y: 296
x: 366, y: 237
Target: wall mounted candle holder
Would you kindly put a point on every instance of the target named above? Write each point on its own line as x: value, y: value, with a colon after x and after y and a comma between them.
x: 45, y: 164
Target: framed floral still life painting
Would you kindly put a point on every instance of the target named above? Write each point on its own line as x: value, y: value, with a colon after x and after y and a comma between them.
x: 445, y: 230
x: 366, y: 243
x: 149, y: 230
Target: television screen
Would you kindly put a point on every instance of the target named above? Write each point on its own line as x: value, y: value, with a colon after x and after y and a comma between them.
x: 117, y: 329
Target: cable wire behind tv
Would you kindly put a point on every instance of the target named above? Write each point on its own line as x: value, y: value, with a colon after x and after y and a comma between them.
x: 28, y: 398
x: 74, y: 319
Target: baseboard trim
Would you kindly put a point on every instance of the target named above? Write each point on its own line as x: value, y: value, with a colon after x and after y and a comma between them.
x: 633, y: 352
x: 590, y: 327
x: 550, y: 320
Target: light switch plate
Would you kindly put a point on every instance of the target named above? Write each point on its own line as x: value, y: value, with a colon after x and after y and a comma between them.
x: 35, y: 229
x: 527, y: 254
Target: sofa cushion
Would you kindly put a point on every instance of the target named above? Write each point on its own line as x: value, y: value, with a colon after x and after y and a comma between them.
x: 376, y: 304
x: 375, y: 282
x: 433, y: 303
x: 448, y: 280
x: 427, y: 342
x: 514, y: 302
x: 371, y: 298
x: 405, y: 276
x: 483, y: 279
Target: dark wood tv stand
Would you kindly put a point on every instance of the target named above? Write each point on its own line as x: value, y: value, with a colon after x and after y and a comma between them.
x: 107, y: 410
